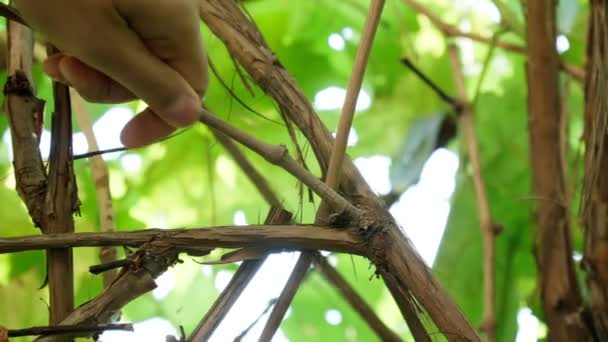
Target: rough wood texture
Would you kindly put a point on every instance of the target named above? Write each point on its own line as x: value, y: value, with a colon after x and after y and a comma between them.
x: 237, y: 285
x: 280, y: 308
x: 148, y: 263
x: 50, y: 201
x: 388, y: 248
x: 60, y: 202
x: 25, y: 114
x: 595, y: 188
x: 559, y: 289
x: 353, y: 298
x: 278, y: 155
x: 275, y: 237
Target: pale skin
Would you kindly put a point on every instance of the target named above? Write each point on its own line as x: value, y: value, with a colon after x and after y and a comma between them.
x: 115, y: 51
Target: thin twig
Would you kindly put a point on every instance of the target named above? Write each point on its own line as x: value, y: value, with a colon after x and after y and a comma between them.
x: 235, y: 288
x: 488, y: 324
x: 235, y: 96
x: 96, y: 153
x: 110, y: 266
x: 332, y: 179
x: 353, y: 298
x: 275, y: 237
x: 244, y: 333
x: 72, y: 330
x: 430, y: 83
x: 486, y: 67
x: 61, y: 201
x: 247, y: 270
x: 278, y: 155
x: 352, y: 93
x: 150, y: 262
x: 453, y: 31
x: 101, y: 178
x: 287, y: 295
x: 408, y: 308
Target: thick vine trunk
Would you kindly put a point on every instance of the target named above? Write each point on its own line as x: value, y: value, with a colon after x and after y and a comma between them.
x: 388, y: 248
x: 595, y: 190
x: 559, y: 290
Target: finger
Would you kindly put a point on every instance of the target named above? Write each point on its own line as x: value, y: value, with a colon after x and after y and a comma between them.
x: 91, y: 84
x: 144, y: 129
x: 181, y: 47
x: 127, y: 60
x: 50, y: 66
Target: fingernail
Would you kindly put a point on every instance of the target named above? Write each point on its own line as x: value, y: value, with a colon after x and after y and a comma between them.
x: 184, y: 111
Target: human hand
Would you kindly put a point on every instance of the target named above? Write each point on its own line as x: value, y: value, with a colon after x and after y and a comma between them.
x: 115, y: 51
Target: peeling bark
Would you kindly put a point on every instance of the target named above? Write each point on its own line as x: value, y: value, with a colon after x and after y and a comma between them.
x: 561, y: 299
x: 388, y: 248
x: 595, y: 189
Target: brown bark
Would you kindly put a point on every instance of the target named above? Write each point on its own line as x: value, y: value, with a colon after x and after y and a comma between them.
x: 388, y: 248
x: 467, y: 125
x: 25, y: 114
x: 334, y: 169
x: 238, y: 283
x: 559, y: 290
x: 148, y: 263
x: 353, y: 298
x: 60, y: 202
x: 278, y: 155
x: 595, y: 189
x: 50, y: 201
x: 273, y: 237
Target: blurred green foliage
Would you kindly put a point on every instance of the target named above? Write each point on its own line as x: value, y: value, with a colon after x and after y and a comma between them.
x: 190, y: 181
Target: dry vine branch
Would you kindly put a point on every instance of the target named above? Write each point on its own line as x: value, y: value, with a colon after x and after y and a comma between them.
x: 562, y: 302
x: 279, y: 156
x: 280, y: 308
x: 409, y: 309
x: 149, y: 262
x: 237, y: 285
x: 50, y: 202
x: 453, y: 31
x: 352, y: 92
x: 248, y: 269
x: 335, y: 163
x: 101, y: 178
x: 595, y: 187
x: 388, y: 248
x: 71, y: 330
x: 60, y: 202
x: 288, y: 237
x: 465, y: 116
x: 353, y: 298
